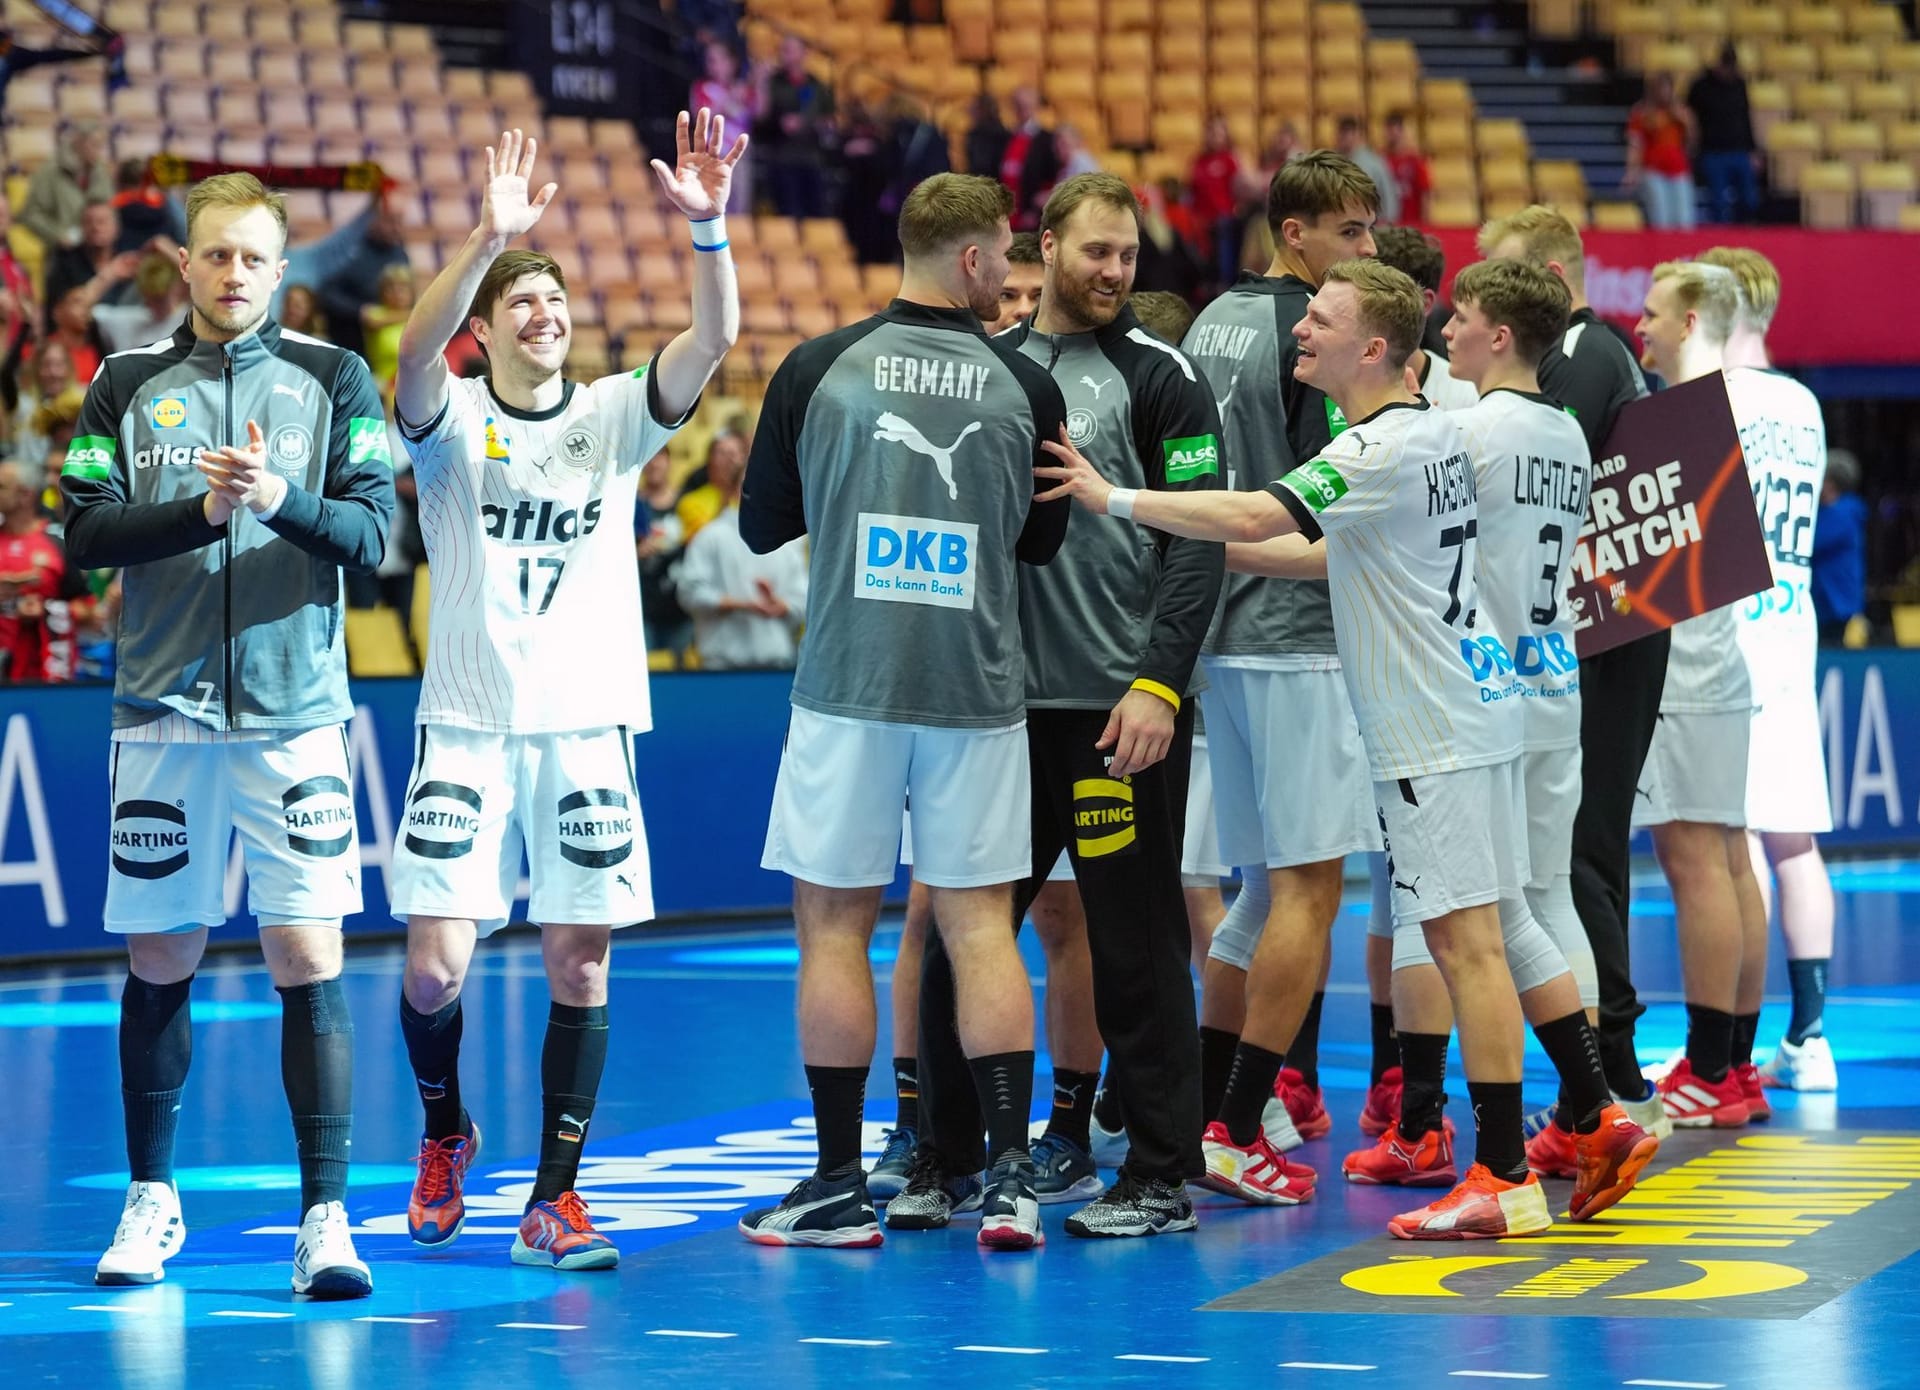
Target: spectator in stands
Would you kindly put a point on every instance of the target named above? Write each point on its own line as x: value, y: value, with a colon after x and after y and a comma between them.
x: 1256, y: 237
x: 39, y: 590
x: 919, y: 152
x: 155, y: 313
x: 1839, y: 549
x: 15, y: 59
x: 1412, y: 175
x: 1351, y: 141
x: 701, y: 498
x: 18, y: 307
x: 70, y: 324
x: 1214, y: 202
x: 49, y: 373
x: 381, y: 324
x: 94, y: 261
x: 795, y: 135
x: 657, y: 548
x: 1075, y: 157
x: 1169, y: 258
x: 747, y: 609
x: 866, y: 180
x: 987, y: 137
x: 145, y: 211
x: 1030, y: 164
x: 62, y: 186
x: 347, y: 267
x: 52, y: 427
x: 725, y: 92
x: 1729, y: 158
x: 300, y: 312
x: 1660, y: 139
x: 1419, y: 257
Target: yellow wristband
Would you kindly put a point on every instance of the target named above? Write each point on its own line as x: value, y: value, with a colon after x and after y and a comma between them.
x: 1153, y: 687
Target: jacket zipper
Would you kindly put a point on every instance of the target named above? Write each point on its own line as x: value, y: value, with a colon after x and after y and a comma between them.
x: 226, y: 548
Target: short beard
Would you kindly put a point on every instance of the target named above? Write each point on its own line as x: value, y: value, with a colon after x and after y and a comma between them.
x: 229, y: 327
x: 1077, y: 301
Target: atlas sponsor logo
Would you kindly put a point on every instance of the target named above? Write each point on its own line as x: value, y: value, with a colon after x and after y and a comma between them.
x: 149, y: 839
x: 542, y: 523
x: 596, y: 827
x: 442, y: 819
x: 165, y: 456
x: 318, y: 815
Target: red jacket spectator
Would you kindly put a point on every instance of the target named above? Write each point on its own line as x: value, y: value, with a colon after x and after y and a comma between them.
x: 37, y: 588
x: 1213, y: 174
x: 1410, y: 170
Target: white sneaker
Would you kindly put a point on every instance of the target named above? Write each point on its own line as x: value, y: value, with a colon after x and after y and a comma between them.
x: 1658, y: 1071
x: 1648, y: 1111
x: 150, y: 1233
x: 1276, y: 1122
x: 1808, y: 1067
x: 325, y: 1264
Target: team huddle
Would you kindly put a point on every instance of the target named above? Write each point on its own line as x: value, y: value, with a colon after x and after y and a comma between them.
x: 1108, y: 605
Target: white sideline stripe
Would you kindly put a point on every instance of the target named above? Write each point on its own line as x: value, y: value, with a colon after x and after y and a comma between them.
x: 844, y: 1342
x: 1683, y: 1384
x: 1502, y: 1375
x: 411, y: 1322
x: 1170, y: 1360
x: 1008, y: 1351
x: 1323, y: 1366
x: 678, y: 1332
x: 104, y: 1308
x: 544, y: 1326
x: 246, y: 1313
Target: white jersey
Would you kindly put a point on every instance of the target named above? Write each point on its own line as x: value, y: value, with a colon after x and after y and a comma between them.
x: 1784, y: 438
x: 1445, y: 389
x: 1395, y: 497
x: 535, y: 623
x: 1534, y: 469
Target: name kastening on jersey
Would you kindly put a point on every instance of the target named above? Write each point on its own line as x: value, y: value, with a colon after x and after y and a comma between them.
x: 1450, y: 485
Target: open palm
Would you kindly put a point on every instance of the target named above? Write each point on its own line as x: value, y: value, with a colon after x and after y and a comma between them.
x: 702, y: 175
x: 505, y: 210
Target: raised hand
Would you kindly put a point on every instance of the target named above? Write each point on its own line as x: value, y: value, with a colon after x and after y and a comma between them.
x: 505, y: 210
x: 701, y: 177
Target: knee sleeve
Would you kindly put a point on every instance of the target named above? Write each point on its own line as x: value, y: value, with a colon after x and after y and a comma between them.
x: 1532, y: 958
x: 1552, y: 907
x: 1410, y: 947
x: 1238, y: 934
x: 1380, y: 915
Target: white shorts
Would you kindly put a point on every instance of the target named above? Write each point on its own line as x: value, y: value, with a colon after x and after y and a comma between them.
x: 843, y: 783
x: 1787, y: 768
x: 1200, y: 858
x: 1454, y: 840
x: 177, y: 805
x: 1553, y: 798
x: 1290, y: 779
x: 1061, y: 872
x: 1696, y: 770
x: 475, y: 800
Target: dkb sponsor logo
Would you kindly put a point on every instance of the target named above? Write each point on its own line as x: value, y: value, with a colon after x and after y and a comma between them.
x: 149, y: 839
x: 596, y: 828
x: 318, y: 814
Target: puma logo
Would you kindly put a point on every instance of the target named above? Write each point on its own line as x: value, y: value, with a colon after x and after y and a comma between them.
x: 1413, y: 888
x: 579, y: 1130
x: 624, y: 882
x: 1365, y: 444
x: 1643, y: 792
x: 1096, y: 386
x: 895, y: 430
x: 1220, y: 402
x: 280, y: 388
x: 431, y: 1090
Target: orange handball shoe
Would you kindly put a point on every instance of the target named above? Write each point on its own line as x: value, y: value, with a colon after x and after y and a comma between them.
x: 1304, y: 1103
x: 1392, y: 1161
x: 1482, y: 1207
x: 438, y: 1208
x: 558, y: 1235
x: 1610, y: 1160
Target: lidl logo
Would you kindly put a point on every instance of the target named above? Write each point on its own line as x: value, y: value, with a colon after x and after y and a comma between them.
x: 1190, y: 458
x: 496, y: 443
x: 1317, y: 483
x: 168, y: 412
x: 90, y: 456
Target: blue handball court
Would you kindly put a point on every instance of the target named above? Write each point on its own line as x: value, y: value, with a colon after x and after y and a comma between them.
x: 1777, y: 1256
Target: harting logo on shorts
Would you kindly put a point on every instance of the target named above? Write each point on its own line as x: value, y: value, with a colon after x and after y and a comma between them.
x: 596, y: 828
x: 319, y: 817
x: 149, y: 839
x: 915, y: 559
x: 442, y: 819
x: 1102, y: 816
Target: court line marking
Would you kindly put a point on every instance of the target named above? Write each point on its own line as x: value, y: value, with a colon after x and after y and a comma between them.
x: 1324, y: 1366
x: 1682, y: 1384
x: 411, y: 1322
x: 1501, y: 1375
x: 1170, y: 1360
x: 845, y: 1342
x: 246, y: 1313
x: 1008, y: 1351
x: 105, y: 1308
x: 681, y: 1332
x: 544, y: 1326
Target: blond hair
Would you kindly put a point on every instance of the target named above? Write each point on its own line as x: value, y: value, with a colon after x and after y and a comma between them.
x: 1759, y: 282
x: 1108, y: 190
x: 237, y: 191
x: 1710, y: 292
x: 1163, y: 311
x: 1390, y: 304
x: 947, y: 210
x: 1528, y: 300
x: 1545, y: 234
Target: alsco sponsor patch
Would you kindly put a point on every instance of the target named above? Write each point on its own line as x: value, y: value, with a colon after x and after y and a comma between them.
x: 90, y: 456
x: 1317, y: 483
x: 1190, y: 458
x: 367, y: 441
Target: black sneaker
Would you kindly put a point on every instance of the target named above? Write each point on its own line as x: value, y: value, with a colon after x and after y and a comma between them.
x: 930, y: 1198
x: 819, y: 1211
x: 1135, y: 1206
x: 1009, y: 1211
